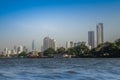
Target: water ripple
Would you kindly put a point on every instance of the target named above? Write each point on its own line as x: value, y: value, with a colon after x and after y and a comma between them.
x: 60, y: 69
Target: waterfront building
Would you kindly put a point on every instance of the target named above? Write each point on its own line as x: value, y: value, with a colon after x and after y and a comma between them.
x: 54, y: 44
x: 46, y: 43
x: 91, y: 39
x: 69, y: 44
x: 99, y: 33
x: 75, y: 44
x: 34, y: 54
x: 33, y: 45
x: 25, y: 49
x: 19, y: 49
x: 49, y: 43
x: 5, y: 51
x: 13, y: 52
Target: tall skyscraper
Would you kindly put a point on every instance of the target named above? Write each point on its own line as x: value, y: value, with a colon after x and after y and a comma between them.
x: 33, y: 45
x: 46, y: 43
x: 91, y: 39
x: 19, y: 49
x: 99, y: 33
x: 54, y: 44
x: 49, y: 43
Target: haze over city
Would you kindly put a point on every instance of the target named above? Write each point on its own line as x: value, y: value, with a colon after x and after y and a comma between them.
x: 64, y: 20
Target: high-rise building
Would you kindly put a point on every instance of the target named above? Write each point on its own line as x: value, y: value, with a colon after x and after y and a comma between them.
x: 100, y: 33
x: 25, y: 49
x: 75, y: 44
x: 13, y: 52
x: 46, y: 43
x: 19, y: 49
x: 54, y: 44
x: 69, y: 44
x: 49, y: 43
x: 6, y: 50
x: 33, y: 45
x: 91, y: 39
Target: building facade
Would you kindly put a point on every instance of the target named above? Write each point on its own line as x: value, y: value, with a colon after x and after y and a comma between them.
x: 19, y: 49
x: 33, y: 45
x: 49, y: 43
x: 69, y: 44
x: 100, y: 36
x: 91, y: 39
x: 46, y: 43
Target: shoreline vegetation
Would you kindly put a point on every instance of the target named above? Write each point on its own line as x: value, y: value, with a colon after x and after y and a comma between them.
x: 104, y: 50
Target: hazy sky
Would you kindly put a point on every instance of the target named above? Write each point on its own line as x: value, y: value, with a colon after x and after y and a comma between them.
x: 22, y: 21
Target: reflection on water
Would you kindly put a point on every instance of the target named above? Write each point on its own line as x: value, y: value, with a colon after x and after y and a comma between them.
x: 60, y: 69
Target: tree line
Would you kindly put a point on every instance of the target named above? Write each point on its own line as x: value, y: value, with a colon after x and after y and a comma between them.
x: 107, y: 49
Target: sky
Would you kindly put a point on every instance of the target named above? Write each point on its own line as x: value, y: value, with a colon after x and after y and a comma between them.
x: 22, y: 21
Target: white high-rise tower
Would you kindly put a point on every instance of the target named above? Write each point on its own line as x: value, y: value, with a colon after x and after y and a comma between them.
x: 100, y: 33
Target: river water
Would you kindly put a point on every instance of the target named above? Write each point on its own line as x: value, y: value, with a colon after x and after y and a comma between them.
x: 60, y: 69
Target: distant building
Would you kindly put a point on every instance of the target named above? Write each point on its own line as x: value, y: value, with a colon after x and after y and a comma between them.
x: 49, y: 43
x: 69, y: 44
x: 91, y: 39
x: 6, y: 51
x: 13, y: 52
x: 75, y: 44
x: 25, y: 49
x: 33, y: 45
x: 9, y: 53
x: 54, y: 44
x: 46, y: 43
x: 34, y: 54
x: 19, y: 49
x: 100, y: 33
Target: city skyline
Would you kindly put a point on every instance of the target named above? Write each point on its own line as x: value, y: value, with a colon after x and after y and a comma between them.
x: 66, y: 20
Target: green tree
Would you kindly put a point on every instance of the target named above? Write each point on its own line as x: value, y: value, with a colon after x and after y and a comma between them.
x: 106, y: 49
x: 117, y: 42
x: 22, y: 54
x: 61, y: 50
x: 40, y: 53
x: 82, y: 50
x: 71, y: 51
x: 93, y: 52
x: 49, y: 52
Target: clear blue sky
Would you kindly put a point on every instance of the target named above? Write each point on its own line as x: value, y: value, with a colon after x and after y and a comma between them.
x: 22, y: 21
